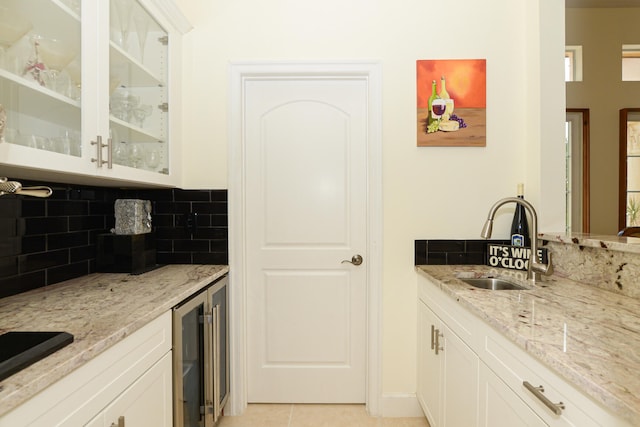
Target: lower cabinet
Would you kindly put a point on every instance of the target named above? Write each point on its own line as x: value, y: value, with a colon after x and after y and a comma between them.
x: 500, y: 406
x: 448, y: 373
x: 473, y: 376
x: 147, y: 402
x: 130, y: 384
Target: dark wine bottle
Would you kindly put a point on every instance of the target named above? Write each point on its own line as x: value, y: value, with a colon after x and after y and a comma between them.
x: 519, y: 225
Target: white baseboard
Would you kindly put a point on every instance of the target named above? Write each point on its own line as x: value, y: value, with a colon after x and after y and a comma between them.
x: 400, y: 405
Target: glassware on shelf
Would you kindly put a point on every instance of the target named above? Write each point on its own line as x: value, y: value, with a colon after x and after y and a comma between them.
x: 140, y: 113
x: 75, y: 76
x: 13, y: 27
x: 118, y: 148
x: 121, y: 10
x: 152, y: 159
x: 62, y: 143
x: 141, y: 21
x: 34, y: 68
x: 55, y: 55
x: 123, y: 103
x: 135, y: 155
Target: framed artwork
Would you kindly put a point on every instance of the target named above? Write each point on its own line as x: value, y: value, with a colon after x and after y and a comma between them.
x: 451, y: 102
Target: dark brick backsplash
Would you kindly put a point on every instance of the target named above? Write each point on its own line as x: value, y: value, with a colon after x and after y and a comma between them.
x: 453, y: 252
x: 46, y: 241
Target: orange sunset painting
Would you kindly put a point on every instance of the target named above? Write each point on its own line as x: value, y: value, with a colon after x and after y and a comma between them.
x: 451, y: 102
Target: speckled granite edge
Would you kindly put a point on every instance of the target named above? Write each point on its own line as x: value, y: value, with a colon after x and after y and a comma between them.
x: 614, y: 243
x: 99, y: 310
x: 587, y: 335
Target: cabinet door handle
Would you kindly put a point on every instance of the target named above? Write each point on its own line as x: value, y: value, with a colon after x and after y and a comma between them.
x: 98, y: 159
x: 433, y: 337
x: 120, y: 422
x: 109, y: 146
x: 438, y: 335
x: 556, y: 408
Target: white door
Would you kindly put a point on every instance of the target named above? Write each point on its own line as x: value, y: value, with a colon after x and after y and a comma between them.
x: 306, y: 200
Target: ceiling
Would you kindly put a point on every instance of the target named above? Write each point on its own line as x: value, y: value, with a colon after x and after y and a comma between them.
x: 602, y: 3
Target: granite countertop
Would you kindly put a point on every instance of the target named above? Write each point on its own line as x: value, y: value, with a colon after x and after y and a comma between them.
x: 99, y: 310
x: 589, y: 336
x: 600, y: 241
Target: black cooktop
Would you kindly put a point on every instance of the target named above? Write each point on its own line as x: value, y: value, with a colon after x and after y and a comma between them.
x: 20, y: 349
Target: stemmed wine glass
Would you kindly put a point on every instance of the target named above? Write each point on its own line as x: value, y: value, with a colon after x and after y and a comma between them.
x: 135, y: 154
x: 55, y: 55
x: 13, y: 27
x: 141, y: 21
x: 140, y: 113
x: 122, y: 9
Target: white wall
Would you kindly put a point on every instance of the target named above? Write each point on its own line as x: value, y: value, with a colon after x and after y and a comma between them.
x: 429, y: 193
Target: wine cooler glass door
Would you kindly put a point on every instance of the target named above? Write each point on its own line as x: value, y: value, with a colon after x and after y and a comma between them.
x: 190, y: 342
x: 219, y: 302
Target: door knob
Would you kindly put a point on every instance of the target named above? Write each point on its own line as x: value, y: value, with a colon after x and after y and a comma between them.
x: 355, y: 260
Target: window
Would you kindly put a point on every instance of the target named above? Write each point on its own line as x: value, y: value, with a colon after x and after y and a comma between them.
x: 573, y: 64
x: 630, y: 62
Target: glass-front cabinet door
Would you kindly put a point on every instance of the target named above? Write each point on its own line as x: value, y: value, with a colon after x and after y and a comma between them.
x: 40, y: 75
x: 85, y: 89
x: 138, y: 101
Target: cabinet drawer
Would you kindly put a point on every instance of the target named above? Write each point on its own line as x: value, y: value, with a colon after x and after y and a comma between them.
x: 501, y: 407
x: 514, y: 367
x: 79, y: 396
x: 459, y: 320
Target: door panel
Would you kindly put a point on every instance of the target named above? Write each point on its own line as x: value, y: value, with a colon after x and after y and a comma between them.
x: 306, y: 189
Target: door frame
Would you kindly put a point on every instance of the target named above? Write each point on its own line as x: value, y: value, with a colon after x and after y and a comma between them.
x: 586, y: 167
x: 239, y: 74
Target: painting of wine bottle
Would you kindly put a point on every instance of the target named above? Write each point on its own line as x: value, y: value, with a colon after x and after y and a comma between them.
x: 451, y: 102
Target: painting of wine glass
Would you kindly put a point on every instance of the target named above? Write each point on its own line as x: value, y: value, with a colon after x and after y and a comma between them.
x: 451, y: 102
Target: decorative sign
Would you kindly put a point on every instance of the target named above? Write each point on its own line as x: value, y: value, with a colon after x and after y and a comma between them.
x: 451, y: 102
x: 512, y: 257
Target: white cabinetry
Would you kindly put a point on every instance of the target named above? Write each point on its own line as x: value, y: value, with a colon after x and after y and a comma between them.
x: 447, y: 373
x: 91, y: 91
x: 500, y: 407
x: 482, y: 377
x: 147, y: 402
x: 132, y: 379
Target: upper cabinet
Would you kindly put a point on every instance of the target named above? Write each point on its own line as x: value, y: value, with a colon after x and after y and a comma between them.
x: 89, y: 90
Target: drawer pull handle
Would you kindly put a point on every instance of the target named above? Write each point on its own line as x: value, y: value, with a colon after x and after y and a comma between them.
x: 438, y: 335
x: 556, y: 408
x: 433, y: 337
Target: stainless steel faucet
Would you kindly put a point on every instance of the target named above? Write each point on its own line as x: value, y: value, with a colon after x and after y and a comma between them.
x: 536, y: 266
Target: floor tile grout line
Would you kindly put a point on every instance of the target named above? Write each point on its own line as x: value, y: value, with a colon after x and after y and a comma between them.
x: 290, y: 416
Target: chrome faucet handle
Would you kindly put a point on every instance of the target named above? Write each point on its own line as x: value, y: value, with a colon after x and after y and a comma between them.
x: 546, y: 269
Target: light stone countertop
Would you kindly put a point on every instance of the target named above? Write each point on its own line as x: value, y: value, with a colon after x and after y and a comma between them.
x: 589, y: 336
x: 99, y: 310
x: 600, y: 241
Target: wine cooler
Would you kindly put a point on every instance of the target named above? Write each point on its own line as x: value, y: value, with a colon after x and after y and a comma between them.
x: 201, y: 357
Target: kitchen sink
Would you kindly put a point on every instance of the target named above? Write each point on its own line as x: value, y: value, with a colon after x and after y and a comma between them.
x: 19, y: 349
x: 492, y: 283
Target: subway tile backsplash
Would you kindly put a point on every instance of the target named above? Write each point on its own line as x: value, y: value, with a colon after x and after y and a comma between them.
x: 46, y: 241
x: 453, y: 252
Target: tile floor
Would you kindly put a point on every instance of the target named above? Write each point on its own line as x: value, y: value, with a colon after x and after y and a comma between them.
x: 299, y: 415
